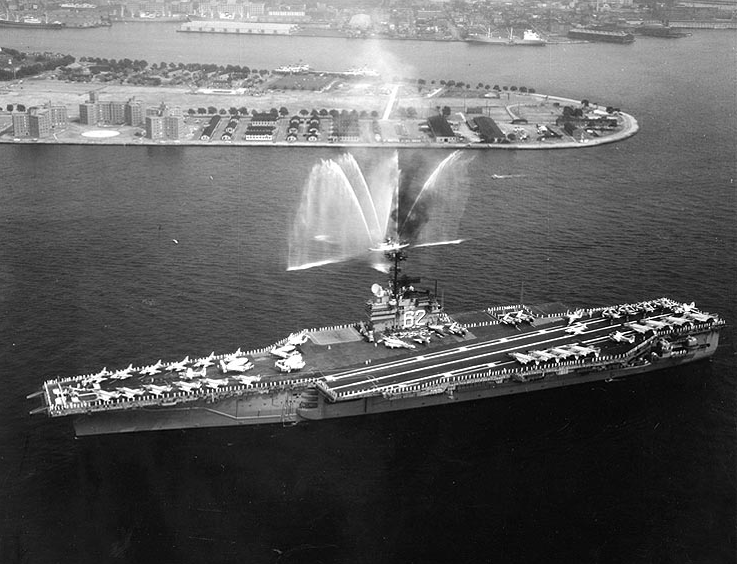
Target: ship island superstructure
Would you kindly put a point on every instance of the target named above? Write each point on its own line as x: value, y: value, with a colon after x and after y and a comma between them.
x: 407, y: 353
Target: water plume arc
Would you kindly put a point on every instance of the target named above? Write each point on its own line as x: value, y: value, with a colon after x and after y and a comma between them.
x: 344, y: 212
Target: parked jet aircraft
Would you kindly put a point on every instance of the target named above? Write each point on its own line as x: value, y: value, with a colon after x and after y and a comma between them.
x: 561, y: 352
x: 236, y: 354
x: 621, y: 337
x: 516, y: 317
x: 611, y: 313
x: 394, y: 343
x: 523, y: 358
x: 574, y: 316
x: 241, y: 364
x: 284, y: 351
x: 105, y: 395
x: 575, y: 329
x: 638, y: 327
x: 188, y: 386
x: 152, y: 369
x: 297, y: 338
x: 180, y: 366
x: 205, y: 362
x: 542, y: 356
x: 654, y: 324
x: 192, y: 374
x: 122, y: 374
x: 685, y: 308
x: 291, y: 363
x: 130, y: 393
x: 157, y: 390
x: 215, y: 383
x: 582, y: 350
x: 246, y: 380
x: 438, y: 329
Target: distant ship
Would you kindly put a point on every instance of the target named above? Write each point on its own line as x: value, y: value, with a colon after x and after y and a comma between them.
x: 659, y: 30
x: 529, y: 37
x: 293, y: 69
x: 361, y: 71
x: 30, y: 21
x: 407, y: 353
x: 596, y: 34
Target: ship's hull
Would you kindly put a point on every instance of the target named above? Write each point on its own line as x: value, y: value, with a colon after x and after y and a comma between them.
x: 663, y: 32
x: 506, y: 42
x: 607, y: 37
x: 296, y: 402
x: 28, y: 25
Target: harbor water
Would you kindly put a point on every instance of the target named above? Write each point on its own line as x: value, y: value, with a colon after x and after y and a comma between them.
x: 118, y: 255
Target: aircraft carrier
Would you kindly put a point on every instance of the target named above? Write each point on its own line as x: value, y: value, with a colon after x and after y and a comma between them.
x: 407, y: 353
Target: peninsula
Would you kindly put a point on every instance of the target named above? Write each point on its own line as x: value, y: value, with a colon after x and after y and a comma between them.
x: 299, y: 107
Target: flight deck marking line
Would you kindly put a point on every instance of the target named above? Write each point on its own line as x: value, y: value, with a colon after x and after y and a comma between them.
x: 439, y: 354
x: 374, y: 380
x: 452, y: 373
x: 436, y: 354
x: 396, y: 374
x: 396, y: 364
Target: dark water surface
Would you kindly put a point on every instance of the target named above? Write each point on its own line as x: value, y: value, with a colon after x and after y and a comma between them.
x: 640, y: 471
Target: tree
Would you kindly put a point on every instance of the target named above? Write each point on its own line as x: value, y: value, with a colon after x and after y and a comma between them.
x: 9, y: 107
x: 585, y: 103
x: 304, y: 112
x: 212, y: 110
x: 20, y: 108
x: 446, y: 111
x: 222, y: 111
x: 191, y: 111
x: 283, y: 111
x: 201, y: 110
x: 233, y: 111
x: 523, y: 88
x: 513, y: 88
x: 243, y: 111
